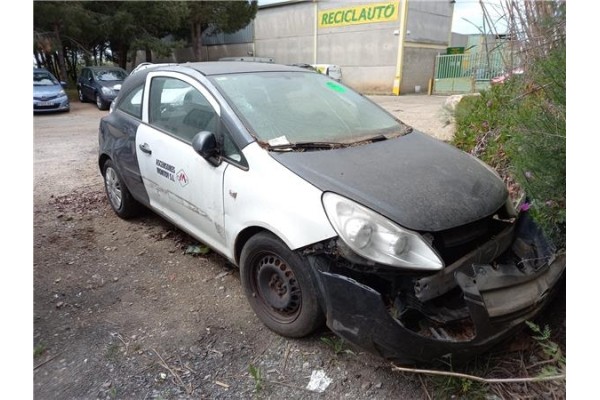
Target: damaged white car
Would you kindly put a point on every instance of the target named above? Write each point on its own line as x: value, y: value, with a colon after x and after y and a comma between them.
x: 335, y: 211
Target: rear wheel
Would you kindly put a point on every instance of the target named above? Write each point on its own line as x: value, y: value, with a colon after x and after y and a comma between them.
x: 119, y: 197
x: 280, y: 287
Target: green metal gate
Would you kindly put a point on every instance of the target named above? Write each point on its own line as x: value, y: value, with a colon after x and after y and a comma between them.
x: 465, y: 73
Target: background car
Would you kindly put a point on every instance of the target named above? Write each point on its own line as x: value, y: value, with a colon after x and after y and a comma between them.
x: 331, y: 70
x: 100, y: 85
x: 48, y: 93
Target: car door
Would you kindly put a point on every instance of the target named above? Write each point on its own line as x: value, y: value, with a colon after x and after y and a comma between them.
x: 181, y: 184
x: 86, y: 84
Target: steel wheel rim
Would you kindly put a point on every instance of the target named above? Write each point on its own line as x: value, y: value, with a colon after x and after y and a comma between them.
x: 98, y: 101
x: 113, y: 188
x: 277, y: 288
x: 80, y: 93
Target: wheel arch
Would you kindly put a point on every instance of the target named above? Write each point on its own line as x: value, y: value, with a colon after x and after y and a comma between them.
x: 101, y: 161
x: 243, y: 237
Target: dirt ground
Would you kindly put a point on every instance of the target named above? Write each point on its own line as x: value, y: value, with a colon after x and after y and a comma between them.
x: 120, y: 312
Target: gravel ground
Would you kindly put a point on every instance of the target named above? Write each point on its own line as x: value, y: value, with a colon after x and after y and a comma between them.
x: 120, y: 312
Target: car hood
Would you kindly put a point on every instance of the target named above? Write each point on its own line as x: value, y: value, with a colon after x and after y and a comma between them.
x: 46, y: 90
x: 415, y: 180
x: 116, y: 85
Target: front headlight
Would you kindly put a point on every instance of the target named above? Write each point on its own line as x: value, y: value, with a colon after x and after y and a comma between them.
x: 62, y: 93
x: 376, y: 238
x: 107, y: 91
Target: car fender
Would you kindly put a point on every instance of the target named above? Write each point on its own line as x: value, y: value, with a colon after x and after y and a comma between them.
x: 270, y: 196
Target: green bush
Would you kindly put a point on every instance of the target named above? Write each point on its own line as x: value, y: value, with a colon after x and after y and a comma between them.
x: 519, y: 128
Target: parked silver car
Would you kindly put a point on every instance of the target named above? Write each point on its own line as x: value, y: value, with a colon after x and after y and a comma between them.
x: 48, y: 93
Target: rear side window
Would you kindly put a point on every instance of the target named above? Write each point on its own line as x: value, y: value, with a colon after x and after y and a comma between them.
x: 132, y: 102
x: 178, y: 108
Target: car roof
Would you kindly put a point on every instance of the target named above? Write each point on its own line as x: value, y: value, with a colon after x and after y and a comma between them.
x: 234, y: 67
x: 209, y: 68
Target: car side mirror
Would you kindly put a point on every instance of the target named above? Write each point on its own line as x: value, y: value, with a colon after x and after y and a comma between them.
x: 205, y: 143
x: 63, y: 84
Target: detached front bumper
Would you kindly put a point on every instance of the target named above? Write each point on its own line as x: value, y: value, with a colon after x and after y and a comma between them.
x: 495, y: 298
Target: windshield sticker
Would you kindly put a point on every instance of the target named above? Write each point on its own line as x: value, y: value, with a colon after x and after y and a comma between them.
x: 165, y: 170
x: 279, y: 141
x: 182, y: 178
x: 336, y: 87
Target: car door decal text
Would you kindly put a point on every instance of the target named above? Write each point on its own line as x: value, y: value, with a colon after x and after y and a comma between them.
x: 166, y: 170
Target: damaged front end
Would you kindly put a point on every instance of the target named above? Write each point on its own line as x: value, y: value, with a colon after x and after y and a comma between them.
x: 498, y: 273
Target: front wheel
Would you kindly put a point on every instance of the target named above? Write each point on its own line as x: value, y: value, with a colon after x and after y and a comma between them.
x: 280, y: 287
x: 119, y: 197
x: 102, y: 105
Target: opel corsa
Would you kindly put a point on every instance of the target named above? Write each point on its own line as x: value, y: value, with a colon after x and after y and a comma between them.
x: 334, y: 211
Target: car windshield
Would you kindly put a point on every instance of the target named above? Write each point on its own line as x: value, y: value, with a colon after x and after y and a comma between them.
x: 285, y: 108
x: 43, y: 78
x: 110, y: 75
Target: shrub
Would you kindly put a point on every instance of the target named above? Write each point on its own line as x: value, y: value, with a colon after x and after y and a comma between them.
x: 519, y: 128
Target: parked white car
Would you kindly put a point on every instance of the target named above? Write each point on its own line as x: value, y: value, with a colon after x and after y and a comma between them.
x: 334, y: 210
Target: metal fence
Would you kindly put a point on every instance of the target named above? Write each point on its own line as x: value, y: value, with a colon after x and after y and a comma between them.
x: 466, y: 73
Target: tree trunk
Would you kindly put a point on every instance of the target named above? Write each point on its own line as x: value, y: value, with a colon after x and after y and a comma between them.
x: 61, y: 54
x: 148, y: 54
x: 133, y: 59
x: 197, y: 41
x: 38, y: 60
x: 123, y: 50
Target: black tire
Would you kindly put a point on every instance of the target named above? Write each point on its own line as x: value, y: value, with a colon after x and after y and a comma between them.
x: 101, y: 104
x: 280, y: 287
x: 80, y: 95
x: 119, y: 197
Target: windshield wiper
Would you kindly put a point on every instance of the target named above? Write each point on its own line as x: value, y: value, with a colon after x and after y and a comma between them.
x: 301, y: 146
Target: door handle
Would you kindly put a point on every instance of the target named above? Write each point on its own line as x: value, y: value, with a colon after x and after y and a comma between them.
x: 145, y: 148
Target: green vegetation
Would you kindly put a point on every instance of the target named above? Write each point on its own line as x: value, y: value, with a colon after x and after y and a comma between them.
x: 555, y: 362
x: 257, y: 375
x: 38, y: 350
x: 69, y: 34
x: 337, y: 344
x: 112, y: 352
x: 519, y: 127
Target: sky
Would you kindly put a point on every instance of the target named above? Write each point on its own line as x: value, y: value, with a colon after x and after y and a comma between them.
x: 468, y: 16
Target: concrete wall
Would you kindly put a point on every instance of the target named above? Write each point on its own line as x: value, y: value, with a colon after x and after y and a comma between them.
x: 285, y: 33
x: 429, y: 21
x: 428, y: 34
x: 459, y: 40
x: 367, y: 53
x: 417, y: 69
x: 213, y: 53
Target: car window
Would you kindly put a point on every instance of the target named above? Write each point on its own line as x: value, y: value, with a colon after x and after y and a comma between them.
x: 44, y: 78
x: 180, y: 109
x: 293, y: 107
x: 132, y: 102
x: 108, y: 75
x: 229, y: 149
